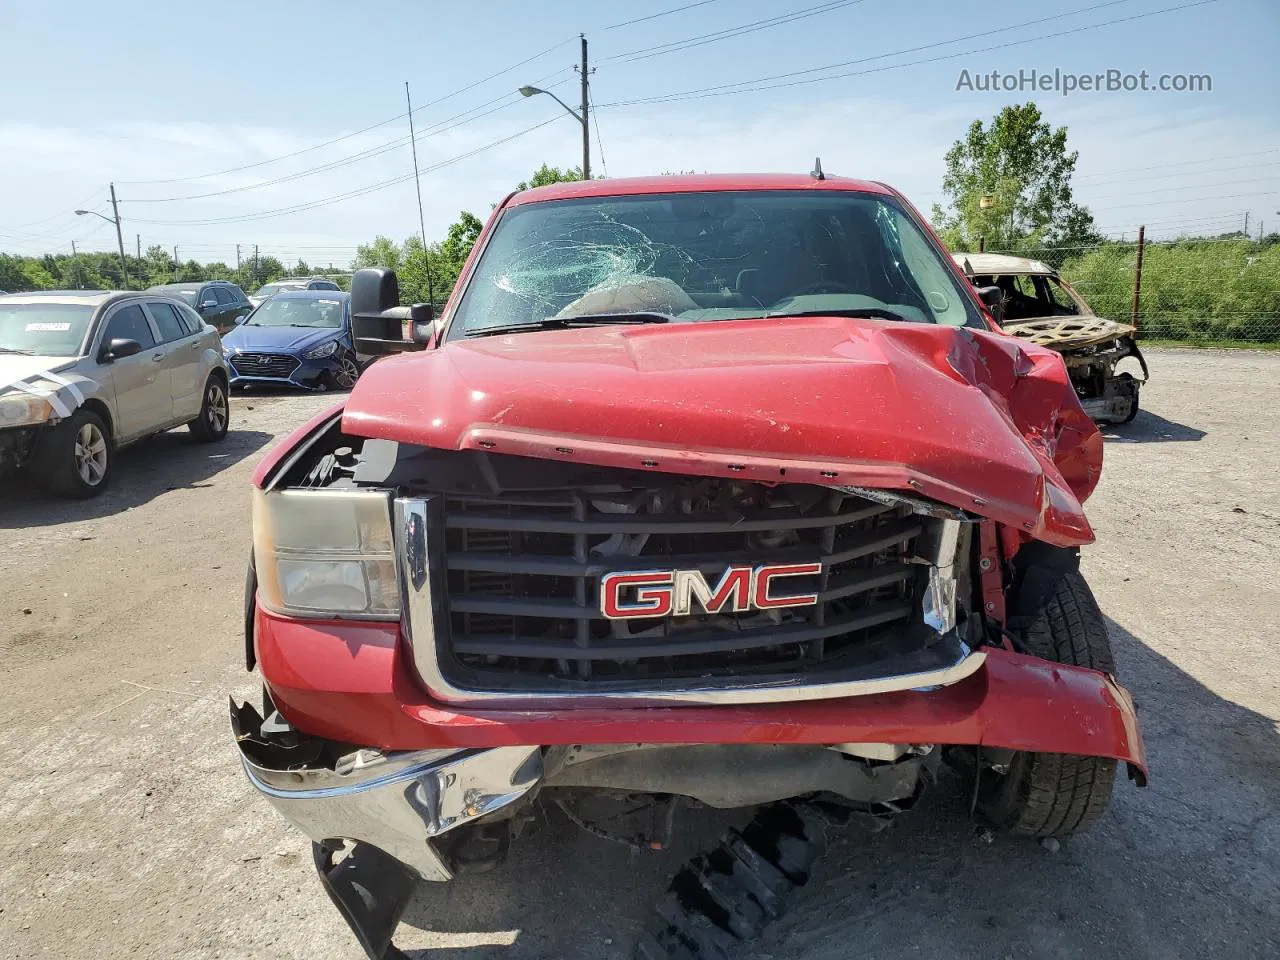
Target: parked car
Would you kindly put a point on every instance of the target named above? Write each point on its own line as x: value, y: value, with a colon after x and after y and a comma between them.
x: 722, y: 488
x: 220, y: 303
x: 292, y: 283
x: 1038, y: 305
x: 299, y: 338
x: 83, y: 373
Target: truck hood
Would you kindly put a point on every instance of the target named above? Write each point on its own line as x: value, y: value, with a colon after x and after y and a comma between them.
x: 982, y: 421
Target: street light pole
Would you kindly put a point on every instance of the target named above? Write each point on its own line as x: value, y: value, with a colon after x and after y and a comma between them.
x: 586, y: 129
x: 582, y: 116
x: 114, y: 218
x: 115, y: 210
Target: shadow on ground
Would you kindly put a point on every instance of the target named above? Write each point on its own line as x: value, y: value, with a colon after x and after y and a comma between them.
x: 1163, y: 876
x: 142, y: 472
x: 1148, y: 427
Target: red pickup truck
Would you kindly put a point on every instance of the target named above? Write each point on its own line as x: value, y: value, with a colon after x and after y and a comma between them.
x: 719, y: 490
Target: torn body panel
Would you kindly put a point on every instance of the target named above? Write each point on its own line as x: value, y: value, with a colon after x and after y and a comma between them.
x: 913, y: 408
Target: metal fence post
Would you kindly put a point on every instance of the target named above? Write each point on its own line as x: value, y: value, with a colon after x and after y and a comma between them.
x: 1137, y: 276
x: 982, y: 244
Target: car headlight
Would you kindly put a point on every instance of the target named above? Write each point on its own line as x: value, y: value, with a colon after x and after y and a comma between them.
x: 22, y: 409
x: 325, y: 553
x: 324, y: 350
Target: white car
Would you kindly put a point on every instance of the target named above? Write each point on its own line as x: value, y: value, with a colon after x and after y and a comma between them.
x: 266, y: 291
x: 82, y: 373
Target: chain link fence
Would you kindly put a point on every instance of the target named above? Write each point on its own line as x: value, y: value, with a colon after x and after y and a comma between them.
x: 1202, y: 291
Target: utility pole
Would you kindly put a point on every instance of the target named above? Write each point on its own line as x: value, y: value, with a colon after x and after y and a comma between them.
x: 1246, y: 224
x: 73, y: 248
x: 256, y: 276
x: 237, y: 258
x: 138, y: 238
x: 1137, y: 274
x: 177, y: 272
x: 75, y: 266
x: 124, y: 266
x: 422, y: 229
x: 586, y: 129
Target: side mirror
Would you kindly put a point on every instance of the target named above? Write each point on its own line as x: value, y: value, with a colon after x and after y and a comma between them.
x: 118, y: 349
x: 241, y: 318
x: 378, y: 321
x: 993, y: 298
x: 206, y: 304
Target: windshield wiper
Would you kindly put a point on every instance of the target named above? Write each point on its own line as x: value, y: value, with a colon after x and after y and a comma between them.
x: 861, y: 313
x: 577, y: 320
x: 25, y: 353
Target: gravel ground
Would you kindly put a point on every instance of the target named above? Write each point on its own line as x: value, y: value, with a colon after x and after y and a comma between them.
x: 130, y: 832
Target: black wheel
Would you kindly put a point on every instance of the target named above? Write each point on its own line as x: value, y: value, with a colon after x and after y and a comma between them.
x: 77, y: 455
x: 215, y: 412
x: 1132, y: 384
x: 1054, y: 794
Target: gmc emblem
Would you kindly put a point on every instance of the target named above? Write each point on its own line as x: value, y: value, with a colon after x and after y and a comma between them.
x: 661, y: 593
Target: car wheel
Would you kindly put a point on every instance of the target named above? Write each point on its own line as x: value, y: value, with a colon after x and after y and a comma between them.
x: 78, y: 457
x: 1133, y: 387
x: 347, y: 374
x: 1054, y: 794
x: 215, y: 413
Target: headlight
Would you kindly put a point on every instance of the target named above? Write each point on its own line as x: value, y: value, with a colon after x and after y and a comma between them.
x: 21, y: 409
x: 325, y: 350
x: 325, y: 553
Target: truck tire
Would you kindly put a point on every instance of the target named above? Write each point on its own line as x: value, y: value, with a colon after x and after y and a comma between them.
x: 77, y: 456
x: 1055, y: 794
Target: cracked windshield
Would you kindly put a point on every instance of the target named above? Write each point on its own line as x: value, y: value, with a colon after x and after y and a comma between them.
x: 696, y: 257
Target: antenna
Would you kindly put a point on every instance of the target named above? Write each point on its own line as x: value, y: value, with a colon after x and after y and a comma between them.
x: 816, y: 172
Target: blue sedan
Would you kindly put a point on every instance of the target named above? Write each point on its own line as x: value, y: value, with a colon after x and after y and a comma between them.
x: 301, y: 338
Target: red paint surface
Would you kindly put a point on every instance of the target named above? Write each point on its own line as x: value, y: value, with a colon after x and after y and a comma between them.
x: 698, y: 183
x: 978, y: 420
x: 350, y: 682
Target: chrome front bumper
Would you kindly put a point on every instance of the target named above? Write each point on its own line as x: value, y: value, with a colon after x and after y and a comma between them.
x: 396, y: 802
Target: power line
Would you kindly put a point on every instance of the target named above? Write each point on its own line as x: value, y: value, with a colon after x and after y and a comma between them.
x: 1180, y: 163
x: 1184, y: 173
x: 655, y: 16
x: 1143, y: 193
x: 359, y: 192
x: 595, y: 116
x: 348, y: 136
x: 762, y: 83
x: 674, y: 46
x: 444, y: 126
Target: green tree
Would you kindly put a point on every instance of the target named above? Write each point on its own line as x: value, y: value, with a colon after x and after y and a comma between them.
x: 1022, y: 167
x: 545, y: 176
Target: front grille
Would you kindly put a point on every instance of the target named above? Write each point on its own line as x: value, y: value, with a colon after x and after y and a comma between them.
x: 522, y: 570
x: 265, y: 364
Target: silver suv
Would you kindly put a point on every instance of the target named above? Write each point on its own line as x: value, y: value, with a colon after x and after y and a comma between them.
x: 82, y: 373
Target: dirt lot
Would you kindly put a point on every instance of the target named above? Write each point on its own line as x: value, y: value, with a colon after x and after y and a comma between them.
x: 130, y: 832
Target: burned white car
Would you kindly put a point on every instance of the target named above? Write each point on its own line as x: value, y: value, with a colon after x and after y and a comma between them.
x: 1038, y: 305
x: 82, y: 373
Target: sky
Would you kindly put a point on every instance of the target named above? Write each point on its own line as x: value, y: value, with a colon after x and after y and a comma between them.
x: 249, y: 123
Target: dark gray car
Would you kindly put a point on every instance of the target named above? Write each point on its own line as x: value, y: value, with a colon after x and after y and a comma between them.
x: 220, y: 303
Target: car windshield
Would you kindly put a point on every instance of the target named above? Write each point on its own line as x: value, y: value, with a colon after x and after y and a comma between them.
x: 1034, y: 296
x: 271, y: 289
x: 711, y: 256
x: 44, y: 329
x: 298, y: 313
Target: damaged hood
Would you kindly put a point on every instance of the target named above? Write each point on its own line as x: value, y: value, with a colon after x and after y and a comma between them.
x: 16, y: 367
x: 981, y: 421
